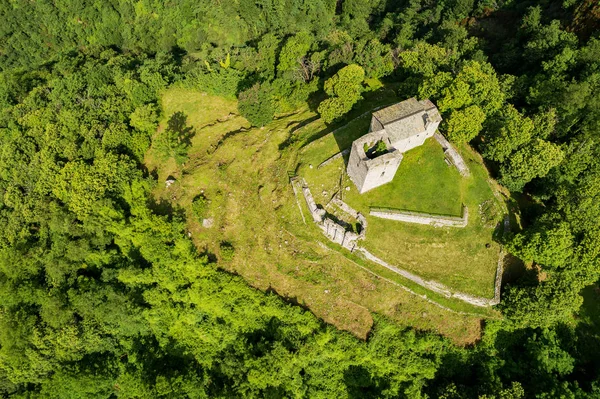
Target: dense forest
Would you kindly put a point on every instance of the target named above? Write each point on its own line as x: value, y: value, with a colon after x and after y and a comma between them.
x: 103, y: 294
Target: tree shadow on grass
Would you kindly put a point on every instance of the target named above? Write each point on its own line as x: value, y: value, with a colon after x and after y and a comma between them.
x: 356, y: 122
x: 164, y: 207
x: 178, y: 124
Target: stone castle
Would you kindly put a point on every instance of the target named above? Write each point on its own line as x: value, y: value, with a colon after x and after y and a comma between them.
x: 375, y: 157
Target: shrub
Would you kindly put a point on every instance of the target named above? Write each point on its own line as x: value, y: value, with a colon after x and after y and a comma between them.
x: 200, y: 206
x: 256, y: 105
x: 227, y: 251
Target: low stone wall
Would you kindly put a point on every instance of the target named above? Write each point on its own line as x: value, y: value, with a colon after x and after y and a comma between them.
x: 431, y: 285
x: 422, y: 218
x: 355, y: 214
x: 452, y: 155
x: 333, y: 158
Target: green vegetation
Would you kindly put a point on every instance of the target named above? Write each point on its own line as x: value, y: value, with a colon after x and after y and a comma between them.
x: 255, y: 104
x: 379, y: 148
x: 344, y: 89
x: 111, y: 287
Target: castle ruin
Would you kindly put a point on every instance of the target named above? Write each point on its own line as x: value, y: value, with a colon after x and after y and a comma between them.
x: 376, y: 156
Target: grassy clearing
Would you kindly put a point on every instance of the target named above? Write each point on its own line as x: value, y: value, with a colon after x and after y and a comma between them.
x: 464, y: 259
x: 244, y: 175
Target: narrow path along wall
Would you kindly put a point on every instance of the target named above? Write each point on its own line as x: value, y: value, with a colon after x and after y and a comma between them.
x: 422, y: 218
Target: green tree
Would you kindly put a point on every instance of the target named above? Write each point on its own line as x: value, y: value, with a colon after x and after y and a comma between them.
x: 529, y: 162
x: 256, y: 104
x: 344, y: 89
x: 549, y: 246
x: 465, y: 124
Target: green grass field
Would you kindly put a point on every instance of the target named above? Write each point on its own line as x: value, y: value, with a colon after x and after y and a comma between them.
x: 245, y: 176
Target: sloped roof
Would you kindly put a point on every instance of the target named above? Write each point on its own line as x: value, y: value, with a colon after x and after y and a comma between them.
x: 407, y: 118
x: 398, y: 111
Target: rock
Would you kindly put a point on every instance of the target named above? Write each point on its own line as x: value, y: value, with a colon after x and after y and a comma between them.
x: 347, y: 188
x: 189, y: 233
x: 326, y: 291
x: 310, y: 166
x: 208, y: 223
x: 169, y: 181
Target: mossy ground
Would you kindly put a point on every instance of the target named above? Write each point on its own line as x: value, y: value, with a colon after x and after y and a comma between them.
x: 245, y: 176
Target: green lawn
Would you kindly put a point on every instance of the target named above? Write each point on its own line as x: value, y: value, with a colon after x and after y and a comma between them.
x: 464, y: 259
x: 244, y: 174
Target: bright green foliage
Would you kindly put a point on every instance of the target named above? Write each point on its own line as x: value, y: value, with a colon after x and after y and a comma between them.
x: 175, y: 140
x: 542, y: 305
x: 347, y: 83
x: 425, y: 59
x: 256, y: 104
x: 200, y: 206
x: 549, y: 246
x: 345, y: 89
x: 102, y: 297
x: 529, y: 162
x: 266, y: 56
x: 227, y: 251
x: 507, y: 133
x: 465, y: 124
x: 294, y: 49
x: 375, y: 58
x: 475, y: 84
x: 333, y: 108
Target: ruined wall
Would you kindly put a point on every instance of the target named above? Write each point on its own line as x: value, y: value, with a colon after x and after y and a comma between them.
x: 422, y: 218
x: 334, y: 231
x: 453, y: 155
x: 367, y: 173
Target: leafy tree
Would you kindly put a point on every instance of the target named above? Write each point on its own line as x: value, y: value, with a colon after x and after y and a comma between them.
x: 256, y: 104
x: 293, y: 51
x: 506, y: 133
x: 550, y: 246
x: 465, y: 124
x: 529, y: 162
x: 375, y: 58
x: 345, y: 89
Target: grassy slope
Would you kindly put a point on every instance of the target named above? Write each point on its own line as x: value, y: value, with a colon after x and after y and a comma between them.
x: 245, y: 176
x: 458, y: 258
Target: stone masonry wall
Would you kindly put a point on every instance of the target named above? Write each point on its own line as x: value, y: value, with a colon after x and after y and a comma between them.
x: 453, y: 156
x: 334, y: 231
x: 422, y: 218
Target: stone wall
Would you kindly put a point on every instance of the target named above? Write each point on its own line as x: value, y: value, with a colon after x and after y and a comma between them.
x: 368, y: 173
x: 452, y: 155
x: 431, y: 285
x: 333, y: 230
x: 333, y: 158
x: 422, y: 218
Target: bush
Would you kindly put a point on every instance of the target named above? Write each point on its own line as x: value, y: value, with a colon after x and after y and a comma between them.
x: 256, y: 105
x: 344, y: 88
x: 227, y: 251
x: 200, y: 206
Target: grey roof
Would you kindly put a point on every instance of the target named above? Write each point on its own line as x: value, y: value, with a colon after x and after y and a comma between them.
x: 398, y: 111
x: 407, y: 118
